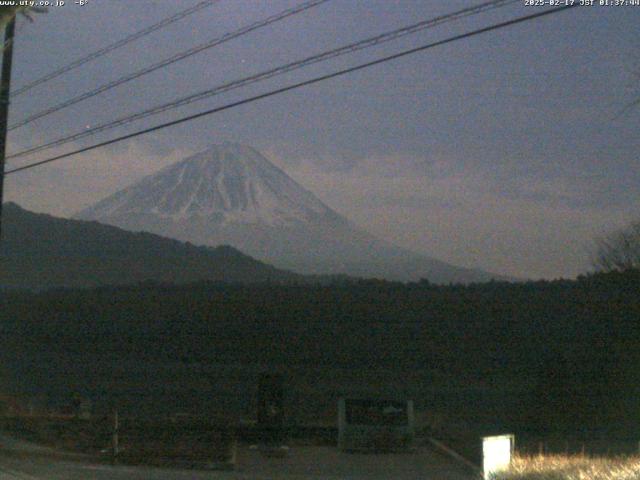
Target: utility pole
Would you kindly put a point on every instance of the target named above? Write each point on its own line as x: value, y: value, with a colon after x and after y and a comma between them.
x: 116, y: 431
x: 5, y: 88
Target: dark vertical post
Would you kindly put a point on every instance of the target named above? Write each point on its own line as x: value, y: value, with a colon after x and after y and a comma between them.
x: 271, y: 408
x: 5, y: 87
x: 116, y: 431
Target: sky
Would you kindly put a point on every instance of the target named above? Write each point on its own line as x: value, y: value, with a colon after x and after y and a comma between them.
x: 509, y: 151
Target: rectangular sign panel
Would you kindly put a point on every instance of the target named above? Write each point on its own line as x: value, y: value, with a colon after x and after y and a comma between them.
x: 376, y: 412
x: 496, y: 454
x: 375, y: 425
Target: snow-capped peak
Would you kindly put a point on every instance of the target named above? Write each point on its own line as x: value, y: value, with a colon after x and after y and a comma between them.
x: 227, y: 183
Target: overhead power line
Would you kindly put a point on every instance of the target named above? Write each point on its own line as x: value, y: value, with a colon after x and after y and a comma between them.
x: 173, y: 59
x: 296, y: 86
x: 327, y: 55
x: 110, y: 48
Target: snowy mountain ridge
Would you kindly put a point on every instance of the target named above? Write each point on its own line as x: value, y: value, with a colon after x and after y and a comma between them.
x: 227, y: 183
x: 232, y: 195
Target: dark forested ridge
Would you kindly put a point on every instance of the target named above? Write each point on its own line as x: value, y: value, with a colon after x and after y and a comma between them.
x: 545, y: 355
x: 40, y: 251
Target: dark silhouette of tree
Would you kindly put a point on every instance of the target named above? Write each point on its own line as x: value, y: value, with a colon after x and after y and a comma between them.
x: 619, y: 250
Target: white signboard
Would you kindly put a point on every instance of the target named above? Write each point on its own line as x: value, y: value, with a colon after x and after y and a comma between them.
x: 496, y: 454
x: 375, y: 425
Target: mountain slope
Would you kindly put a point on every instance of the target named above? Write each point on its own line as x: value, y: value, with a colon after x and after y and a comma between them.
x: 39, y: 251
x: 231, y: 194
x: 226, y: 184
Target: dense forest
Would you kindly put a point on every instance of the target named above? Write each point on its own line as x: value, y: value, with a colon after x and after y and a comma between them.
x: 547, y: 356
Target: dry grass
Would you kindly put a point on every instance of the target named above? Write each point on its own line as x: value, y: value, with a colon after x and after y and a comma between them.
x: 189, y: 440
x: 562, y: 467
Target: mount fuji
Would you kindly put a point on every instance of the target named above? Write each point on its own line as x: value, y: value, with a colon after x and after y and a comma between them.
x: 231, y: 194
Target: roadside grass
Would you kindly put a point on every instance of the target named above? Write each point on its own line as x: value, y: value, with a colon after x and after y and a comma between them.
x: 567, y: 467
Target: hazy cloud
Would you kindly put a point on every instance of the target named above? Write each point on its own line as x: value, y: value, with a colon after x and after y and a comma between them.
x: 525, y: 227
x: 506, y: 151
x: 65, y: 187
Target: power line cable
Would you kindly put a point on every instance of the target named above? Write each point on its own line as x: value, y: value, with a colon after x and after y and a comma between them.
x: 353, y: 47
x: 296, y: 86
x: 110, y: 48
x: 175, y: 58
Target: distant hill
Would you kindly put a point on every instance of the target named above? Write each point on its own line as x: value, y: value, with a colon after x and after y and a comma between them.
x: 232, y: 194
x: 39, y: 251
